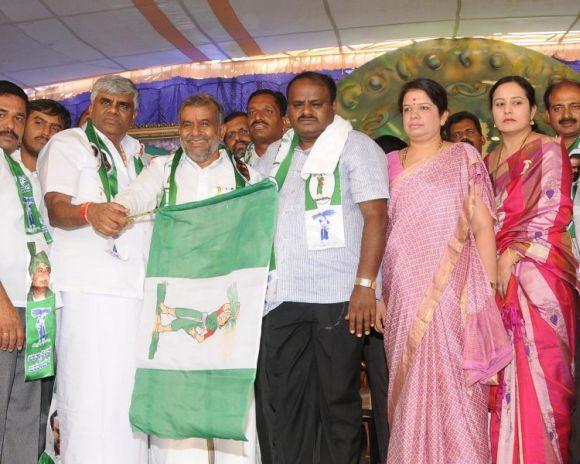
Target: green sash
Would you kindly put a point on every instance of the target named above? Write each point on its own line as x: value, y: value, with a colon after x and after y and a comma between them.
x: 318, y: 200
x: 33, y: 223
x: 171, y: 198
x: 138, y: 163
x: 282, y: 172
x: 107, y: 170
x: 41, y: 312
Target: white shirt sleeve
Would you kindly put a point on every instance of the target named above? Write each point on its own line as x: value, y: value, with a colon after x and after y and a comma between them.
x: 145, y: 192
x: 60, y: 165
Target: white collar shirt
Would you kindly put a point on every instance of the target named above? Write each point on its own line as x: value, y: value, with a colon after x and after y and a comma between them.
x: 193, y: 182
x: 80, y: 258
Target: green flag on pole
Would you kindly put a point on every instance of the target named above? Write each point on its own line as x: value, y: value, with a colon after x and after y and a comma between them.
x: 204, y: 296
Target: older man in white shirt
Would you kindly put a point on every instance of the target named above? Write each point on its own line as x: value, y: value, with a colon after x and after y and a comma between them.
x: 101, y: 279
x: 200, y: 169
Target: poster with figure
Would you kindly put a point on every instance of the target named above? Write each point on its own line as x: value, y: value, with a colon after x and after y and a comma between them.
x: 51, y: 454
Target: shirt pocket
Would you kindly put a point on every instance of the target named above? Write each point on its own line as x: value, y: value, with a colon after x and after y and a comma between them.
x: 90, y: 187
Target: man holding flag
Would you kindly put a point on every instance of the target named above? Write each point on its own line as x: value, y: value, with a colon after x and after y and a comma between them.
x: 191, y: 317
x: 101, y: 279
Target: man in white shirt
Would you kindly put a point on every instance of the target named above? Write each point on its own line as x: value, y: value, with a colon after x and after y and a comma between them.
x: 21, y: 419
x: 101, y: 279
x: 45, y: 118
x: 198, y: 170
x: 19, y: 400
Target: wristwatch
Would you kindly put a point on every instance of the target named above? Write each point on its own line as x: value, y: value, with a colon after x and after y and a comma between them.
x: 365, y: 282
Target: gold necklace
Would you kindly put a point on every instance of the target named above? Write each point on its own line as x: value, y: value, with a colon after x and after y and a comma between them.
x: 123, y: 156
x: 405, y: 150
x: 497, y: 164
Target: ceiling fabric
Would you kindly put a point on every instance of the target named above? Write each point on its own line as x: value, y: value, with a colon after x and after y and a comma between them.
x: 52, y: 41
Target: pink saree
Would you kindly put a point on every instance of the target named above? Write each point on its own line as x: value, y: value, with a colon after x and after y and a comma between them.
x: 444, y: 337
x: 532, y: 405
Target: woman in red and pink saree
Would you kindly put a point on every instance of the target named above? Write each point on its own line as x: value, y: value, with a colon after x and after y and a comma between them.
x: 531, y: 175
x: 444, y: 337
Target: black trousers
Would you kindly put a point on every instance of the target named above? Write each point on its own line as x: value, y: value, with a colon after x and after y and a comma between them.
x: 376, y: 362
x: 307, y: 388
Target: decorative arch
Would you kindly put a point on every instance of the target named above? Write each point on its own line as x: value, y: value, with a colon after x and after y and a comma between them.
x: 467, y: 68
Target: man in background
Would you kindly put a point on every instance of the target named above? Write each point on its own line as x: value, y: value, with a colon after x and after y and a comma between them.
x: 464, y: 127
x: 266, y: 117
x: 236, y: 133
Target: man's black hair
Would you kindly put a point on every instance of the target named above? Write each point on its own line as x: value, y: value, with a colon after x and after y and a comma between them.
x: 319, y: 78
x: 390, y: 143
x: 10, y: 88
x: 52, y: 108
x: 555, y: 86
x: 457, y: 117
x: 234, y: 115
x: 278, y: 97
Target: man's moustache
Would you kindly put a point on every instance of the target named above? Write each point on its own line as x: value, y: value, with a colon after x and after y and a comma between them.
x: 259, y: 121
x: 9, y: 133
x: 467, y: 141
x: 572, y: 120
x: 307, y: 118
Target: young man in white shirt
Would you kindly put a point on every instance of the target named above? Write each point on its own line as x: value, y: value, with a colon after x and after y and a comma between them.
x: 45, y: 118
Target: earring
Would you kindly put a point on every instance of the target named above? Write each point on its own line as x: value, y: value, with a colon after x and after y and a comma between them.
x: 531, y: 122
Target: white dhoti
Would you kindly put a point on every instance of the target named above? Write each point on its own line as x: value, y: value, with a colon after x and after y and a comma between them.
x: 96, y: 372
x: 214, y: 451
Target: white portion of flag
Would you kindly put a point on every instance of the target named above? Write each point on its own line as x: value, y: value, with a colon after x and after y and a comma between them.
x: 228, y: 347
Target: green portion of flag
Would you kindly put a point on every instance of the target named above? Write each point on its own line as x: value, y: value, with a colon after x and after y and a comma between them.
x: 206, y: 404
x: 45, y: 459
x: 201, y: 233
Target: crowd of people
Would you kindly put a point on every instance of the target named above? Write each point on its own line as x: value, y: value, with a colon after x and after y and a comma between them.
x: 453, y: 274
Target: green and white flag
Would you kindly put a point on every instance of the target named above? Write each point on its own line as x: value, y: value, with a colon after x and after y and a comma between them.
x: 199, y: 335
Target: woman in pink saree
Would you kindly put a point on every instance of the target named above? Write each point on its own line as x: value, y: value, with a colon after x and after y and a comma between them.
x: 531, y: 174
x: 444, y: 337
